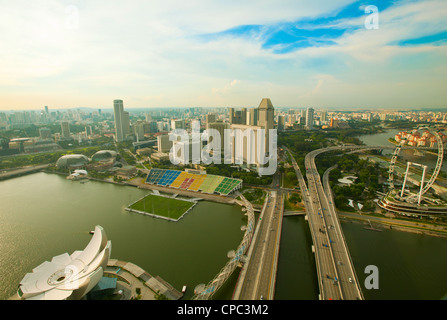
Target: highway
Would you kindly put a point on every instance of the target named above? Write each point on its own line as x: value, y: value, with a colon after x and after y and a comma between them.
x: 336, y: 276
x: 258, y: 276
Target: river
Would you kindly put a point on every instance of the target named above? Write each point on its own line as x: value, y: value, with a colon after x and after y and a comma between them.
x: 416, y: 156
x: 411, y: 266
x: 43, y: 215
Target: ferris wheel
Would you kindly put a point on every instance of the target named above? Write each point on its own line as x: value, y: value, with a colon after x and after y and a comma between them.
x: 424, y: 186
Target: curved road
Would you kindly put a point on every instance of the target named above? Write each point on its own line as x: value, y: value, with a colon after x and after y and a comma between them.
x: 337, y: 278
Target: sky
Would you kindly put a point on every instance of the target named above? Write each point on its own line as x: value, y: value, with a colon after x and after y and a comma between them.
x: 323, y: 53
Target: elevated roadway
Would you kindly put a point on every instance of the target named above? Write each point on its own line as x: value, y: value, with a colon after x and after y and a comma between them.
x: 336, y: 276
x: 258, y: 275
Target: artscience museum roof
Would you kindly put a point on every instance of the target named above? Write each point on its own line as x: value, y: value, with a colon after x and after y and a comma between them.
x: 68, y: 277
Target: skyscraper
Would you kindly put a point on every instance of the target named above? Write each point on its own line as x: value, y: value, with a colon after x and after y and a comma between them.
x: 253, y: 117
x: 281, y: 123
x: 120, y: 130
x: 231, y: 115
x: 265, y: 119
x: 65, y: 126
x: 265, y: 114
x: 238, y: 117
x: 310, y: 119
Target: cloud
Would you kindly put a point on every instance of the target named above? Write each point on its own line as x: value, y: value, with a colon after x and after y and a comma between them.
x: 192, y: 52
x: 226, y: 88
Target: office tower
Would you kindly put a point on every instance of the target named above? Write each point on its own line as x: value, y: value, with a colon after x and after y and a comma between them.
x: 178, y: 124
x: 238, y: 117
x: 231, y: 114
x: 252, y: 117
x: 265, y: 119
x: 243, y: 116
x: 281, y: 123
x: 88, y: 130
x: 291, y: 120
x: 323, y: 116
x: 65, y: 126
x: 163, y: 143
x: 139, y: 129
x: 184, y: 152
x: 210, y: 118
x: 310, y: 119
x: 245, y: 146
x: 265, y: 114
x: 44, y: 133
x: 219, y: 127
x: 46, y: 110
x: 126, y: 123
x: 119, y: 123
x: 303, y: 113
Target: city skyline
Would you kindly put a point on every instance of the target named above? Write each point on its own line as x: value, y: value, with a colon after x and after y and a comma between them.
x: 300, y: 54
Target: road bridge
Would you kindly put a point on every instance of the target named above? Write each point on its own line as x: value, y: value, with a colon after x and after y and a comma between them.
x: 258, y: 275
x: 336, y: 276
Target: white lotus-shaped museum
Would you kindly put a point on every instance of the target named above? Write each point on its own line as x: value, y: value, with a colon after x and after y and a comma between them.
x: 68, y: 277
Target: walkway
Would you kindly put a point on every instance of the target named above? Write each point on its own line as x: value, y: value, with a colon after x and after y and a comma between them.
x: 132, y: 277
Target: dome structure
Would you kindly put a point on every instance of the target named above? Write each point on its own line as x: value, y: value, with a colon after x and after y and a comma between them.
x: 68, y: 277
x: 72, y: 161
x: 104, y: 155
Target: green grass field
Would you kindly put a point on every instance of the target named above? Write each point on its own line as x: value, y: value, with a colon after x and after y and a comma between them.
x: 162, y: 206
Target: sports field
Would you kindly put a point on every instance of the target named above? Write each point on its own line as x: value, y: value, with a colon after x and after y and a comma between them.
x: 162, y: 206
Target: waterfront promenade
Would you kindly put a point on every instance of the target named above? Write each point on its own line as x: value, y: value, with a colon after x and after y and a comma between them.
x: 131, y: 277
x: 22, y: 171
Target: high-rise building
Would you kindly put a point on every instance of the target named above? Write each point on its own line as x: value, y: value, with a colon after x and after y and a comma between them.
x: 139, y: 129
x: 245, y: 144
x: 210, y: 118
x: 309, y: 119
x: 163, y: 143
x: 252, y: 117
x: 231, y: 114
x: 44, y: 133
x: 265, y: 119
x: 65, y: 126
x: 245, y: 147
x: 243, y: 116
x: 323, y: 116
x: 185, y: 152
x: 120, y: 131
x: 219, y: 127
x: 178, y: 124
x: 126, y: 123
x: 265, y: 114
x: 238, y: 117
x: 281, y: 123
